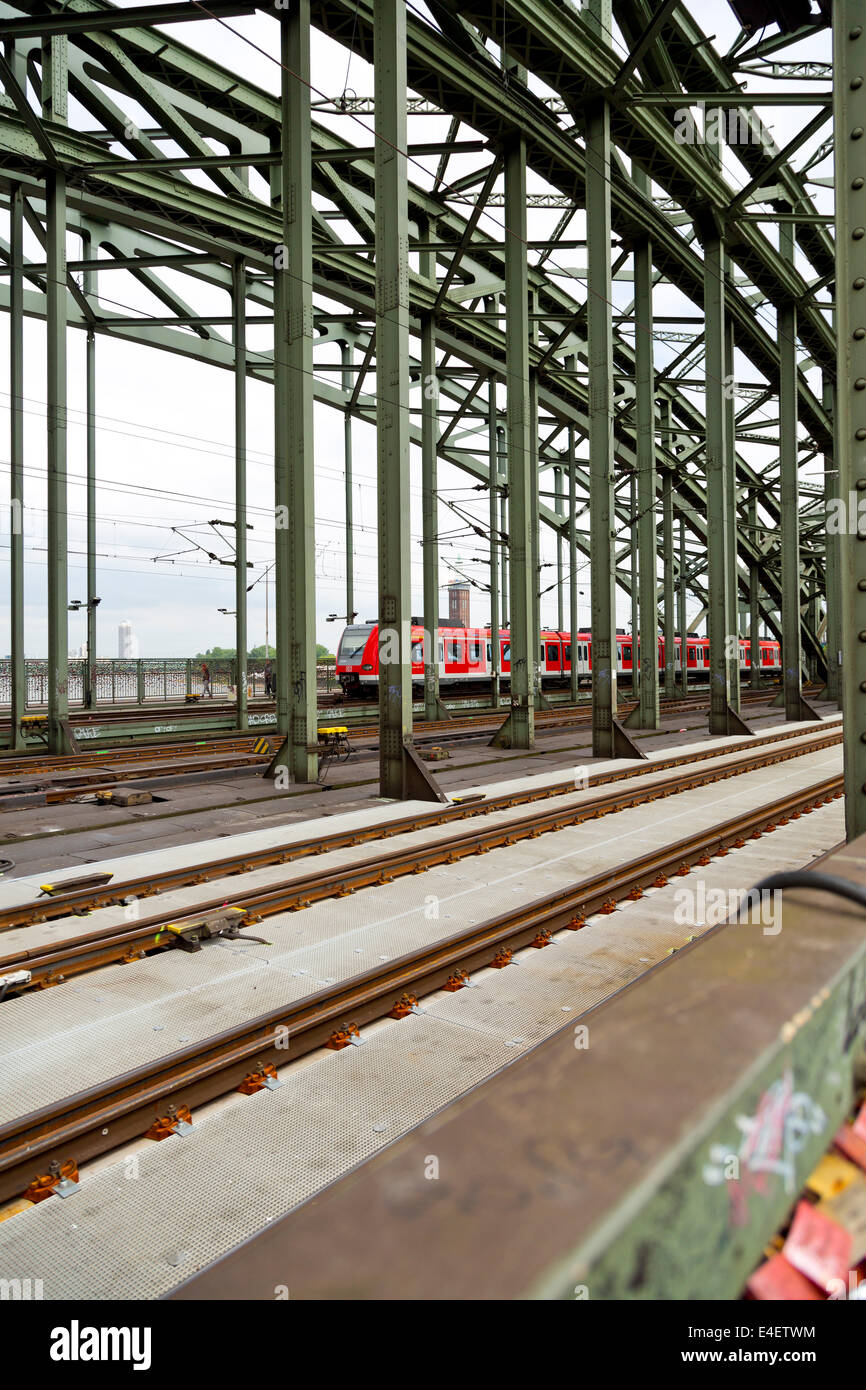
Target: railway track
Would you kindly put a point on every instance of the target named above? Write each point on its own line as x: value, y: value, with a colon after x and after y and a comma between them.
x: 49, y: 965
x: 154, y: 759
x: 153, y: 1099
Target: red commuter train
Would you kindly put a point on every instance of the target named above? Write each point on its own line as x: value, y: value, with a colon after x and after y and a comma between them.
x: 465, y: 654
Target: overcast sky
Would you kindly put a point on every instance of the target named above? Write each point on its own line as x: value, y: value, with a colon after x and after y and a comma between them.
x: 165, y: 423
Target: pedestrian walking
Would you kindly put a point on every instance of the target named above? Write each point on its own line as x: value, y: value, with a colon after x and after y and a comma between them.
x: 206, y: 692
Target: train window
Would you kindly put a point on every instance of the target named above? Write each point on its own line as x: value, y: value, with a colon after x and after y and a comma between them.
x: 552, y: 652
x: 626, y: 653
x: 506, y: 651
x: 489, y: 652
x: 566, y: 652
x: 692, y: 656
x: 441, y: 652
x: 352, y: 644
x: 541, y: 653
x: 474, y: 657
x: 584, y: 651
x: 455, y: 652
x: 417, y: 652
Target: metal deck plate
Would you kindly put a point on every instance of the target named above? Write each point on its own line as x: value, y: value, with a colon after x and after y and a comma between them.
x: 136, y: 1013
x: 136, y: 1231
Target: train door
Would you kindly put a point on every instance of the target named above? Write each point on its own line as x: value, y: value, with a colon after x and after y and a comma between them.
x: 455, y: 657
x: 554, y: 659
x: 505, y: 657
x: 475, y: 653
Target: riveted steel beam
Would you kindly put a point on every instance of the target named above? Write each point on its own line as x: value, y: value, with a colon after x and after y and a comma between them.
x: 521, y: 502
x: 646, y: 489
x: 392, y: 389
x: 295, y: 535
x: 601, y: 448
x: 849, y: 82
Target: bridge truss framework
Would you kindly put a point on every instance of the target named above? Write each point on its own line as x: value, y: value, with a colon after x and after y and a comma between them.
x: 266, y: 203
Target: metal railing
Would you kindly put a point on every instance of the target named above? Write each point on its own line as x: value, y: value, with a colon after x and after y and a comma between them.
x: 147, y: 680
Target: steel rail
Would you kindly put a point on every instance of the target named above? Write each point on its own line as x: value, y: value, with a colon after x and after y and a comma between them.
x: 565, y: 716
x: 123, y: 1107
x: 50, y: 965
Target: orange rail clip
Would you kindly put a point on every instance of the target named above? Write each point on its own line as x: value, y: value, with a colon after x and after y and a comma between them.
x: 407, y: 1004
x: 176, y: 1120
x: 46, y: 1184
x: 259, y: 1080
x: 342, y: 1037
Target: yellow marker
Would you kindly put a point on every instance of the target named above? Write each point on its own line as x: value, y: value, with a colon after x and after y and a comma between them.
x: 833, y: 1174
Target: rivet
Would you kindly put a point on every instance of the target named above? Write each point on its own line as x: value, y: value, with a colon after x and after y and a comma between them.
x: 860, y: 383
x: 856, y: 31
x: 860, y: 434
x: 861, y: 585
x: 859, y: 282
x: 859, y: 233
x: 857, y: 133
x: 856, y: 83
x: 859, y: 333
x: 863, y: 687
x: 861, y: 636
x: 860, y: 484
x: 857, y: 183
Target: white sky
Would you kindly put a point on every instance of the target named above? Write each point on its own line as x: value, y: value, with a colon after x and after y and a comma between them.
x: 165, y: 423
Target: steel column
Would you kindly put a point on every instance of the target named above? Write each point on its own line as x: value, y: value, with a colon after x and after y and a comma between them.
x: 601, y: 467
x: 754, y: 600
x: 294, y: 570
x: 239, y: 335
x: 392, y: 387
x: 632, y: 580
x: 534, y: 638
x: 683, y: 614
x: 849, y: 87
x: 504, y: 537
x: 559, y: 506
x: 58, y: 618
x: 832, y: 561
x: 16, y: 461
x: 718, y: 619
x: 645, y: 531
x: 430, y: 510
x: 789, y: 494
x: 522, y: 505
x: 493, y: 523
x: 573, y: 616
x: 731, y: 510
x: 349, y: 501
x: 90, y: 431
x: 668, y: 613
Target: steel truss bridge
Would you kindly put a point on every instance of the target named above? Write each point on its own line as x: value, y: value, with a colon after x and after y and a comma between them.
x: 378, y: 278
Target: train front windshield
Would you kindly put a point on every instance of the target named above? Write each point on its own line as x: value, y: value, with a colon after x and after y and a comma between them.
x: 352, y: 645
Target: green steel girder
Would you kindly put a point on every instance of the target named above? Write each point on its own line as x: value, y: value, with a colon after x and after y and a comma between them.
x: 488, y: 358
x: 201, y: 81
x: 462, y: 85
x: 699, y: 67
x: 207, y: 84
